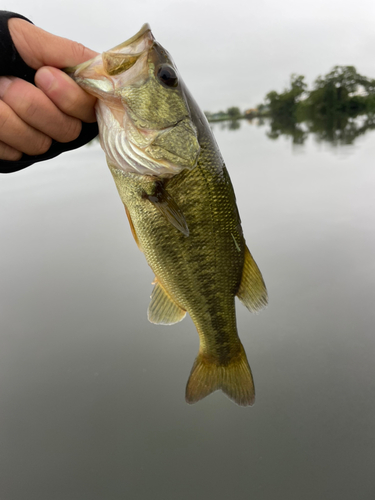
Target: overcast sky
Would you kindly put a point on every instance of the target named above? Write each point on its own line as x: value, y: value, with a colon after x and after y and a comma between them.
x: 229, y: 52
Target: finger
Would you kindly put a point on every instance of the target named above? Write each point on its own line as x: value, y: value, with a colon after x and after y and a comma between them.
x: 35, y: 109
x: 8, y: 153
x: 39, y: 48
x: 19, y: 135
x: 66, y: 94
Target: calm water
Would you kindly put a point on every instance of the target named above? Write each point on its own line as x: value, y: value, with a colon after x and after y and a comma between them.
x: 92, y: 395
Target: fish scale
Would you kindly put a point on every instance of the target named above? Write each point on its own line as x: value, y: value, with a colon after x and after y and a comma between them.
x: 207, y: 266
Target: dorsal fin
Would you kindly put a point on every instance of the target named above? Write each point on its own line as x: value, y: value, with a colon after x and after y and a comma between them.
x: 162, y: 309
x: 252, y: 292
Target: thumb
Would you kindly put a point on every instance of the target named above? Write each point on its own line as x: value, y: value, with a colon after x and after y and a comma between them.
x: 39, y: 48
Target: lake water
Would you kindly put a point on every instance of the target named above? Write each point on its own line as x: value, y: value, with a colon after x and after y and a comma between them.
x: 92, y: 395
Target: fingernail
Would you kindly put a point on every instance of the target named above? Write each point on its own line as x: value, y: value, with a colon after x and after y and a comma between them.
x: 4, y: 84
x: 45, y: 79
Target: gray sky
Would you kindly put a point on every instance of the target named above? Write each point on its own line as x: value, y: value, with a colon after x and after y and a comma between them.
x: 229, y: 52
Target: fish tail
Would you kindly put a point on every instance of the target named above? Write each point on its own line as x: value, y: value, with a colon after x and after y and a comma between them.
x: 233, y: 378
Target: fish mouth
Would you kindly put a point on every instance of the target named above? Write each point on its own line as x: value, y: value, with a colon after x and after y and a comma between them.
x: 144, y: 32
x: 101, y: 76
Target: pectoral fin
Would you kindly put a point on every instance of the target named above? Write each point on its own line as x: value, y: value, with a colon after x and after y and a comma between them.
x: 162, y: 309
x: 252, y: 292
x: 166, y: 205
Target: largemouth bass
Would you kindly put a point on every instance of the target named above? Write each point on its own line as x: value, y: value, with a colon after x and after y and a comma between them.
x: 180, y: 204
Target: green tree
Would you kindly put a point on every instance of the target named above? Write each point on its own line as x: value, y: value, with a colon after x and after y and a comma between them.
x: 342, y: 90
x: 284, y: 106
x: 234, y: 113
x: 283, y: 110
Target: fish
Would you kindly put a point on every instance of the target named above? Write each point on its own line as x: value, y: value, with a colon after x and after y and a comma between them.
x: 180, y: 204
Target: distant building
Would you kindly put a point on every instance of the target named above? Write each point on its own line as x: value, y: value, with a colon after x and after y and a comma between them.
x: 251, y: 112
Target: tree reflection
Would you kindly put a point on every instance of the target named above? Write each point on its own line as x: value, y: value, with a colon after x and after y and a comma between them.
x: 336, y: 129
x: 287, y: 127
x: 227, y: 124
x: 340, y: 129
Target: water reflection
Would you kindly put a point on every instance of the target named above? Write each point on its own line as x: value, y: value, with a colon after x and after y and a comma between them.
x: 336, y: 129
x: 340, y: 129
x: 91, y: 394
x: 227, y: 125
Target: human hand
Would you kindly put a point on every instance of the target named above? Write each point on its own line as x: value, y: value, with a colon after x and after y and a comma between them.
x: 30, y: 117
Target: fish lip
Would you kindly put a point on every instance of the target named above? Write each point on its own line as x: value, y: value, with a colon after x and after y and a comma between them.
x: 145, y: 28
x: 75, y: 72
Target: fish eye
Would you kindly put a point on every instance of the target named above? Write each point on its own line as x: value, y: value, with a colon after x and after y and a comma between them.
x: 167, y: 76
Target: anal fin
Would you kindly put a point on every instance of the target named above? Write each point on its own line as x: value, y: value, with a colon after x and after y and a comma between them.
x: 252, y: 292
x: 162, y: 309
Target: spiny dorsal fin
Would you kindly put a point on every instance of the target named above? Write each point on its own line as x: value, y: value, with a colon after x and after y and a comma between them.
x: 164, y: 202
x: 234, y: 379
x: 162, y: 309
x: 252, y: 292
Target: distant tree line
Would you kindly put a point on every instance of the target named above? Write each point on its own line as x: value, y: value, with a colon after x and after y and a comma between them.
x: 328, y: 110
x: 341, y: 91
x: 233, y: 113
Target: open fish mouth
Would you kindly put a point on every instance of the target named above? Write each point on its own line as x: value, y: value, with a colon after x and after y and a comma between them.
x: 143, y: 117
x: 97, y: 75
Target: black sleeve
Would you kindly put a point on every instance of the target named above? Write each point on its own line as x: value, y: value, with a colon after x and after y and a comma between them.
x: 11, y: 64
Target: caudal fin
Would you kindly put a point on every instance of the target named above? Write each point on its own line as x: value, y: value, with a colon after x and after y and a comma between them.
x: 234, y: 379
